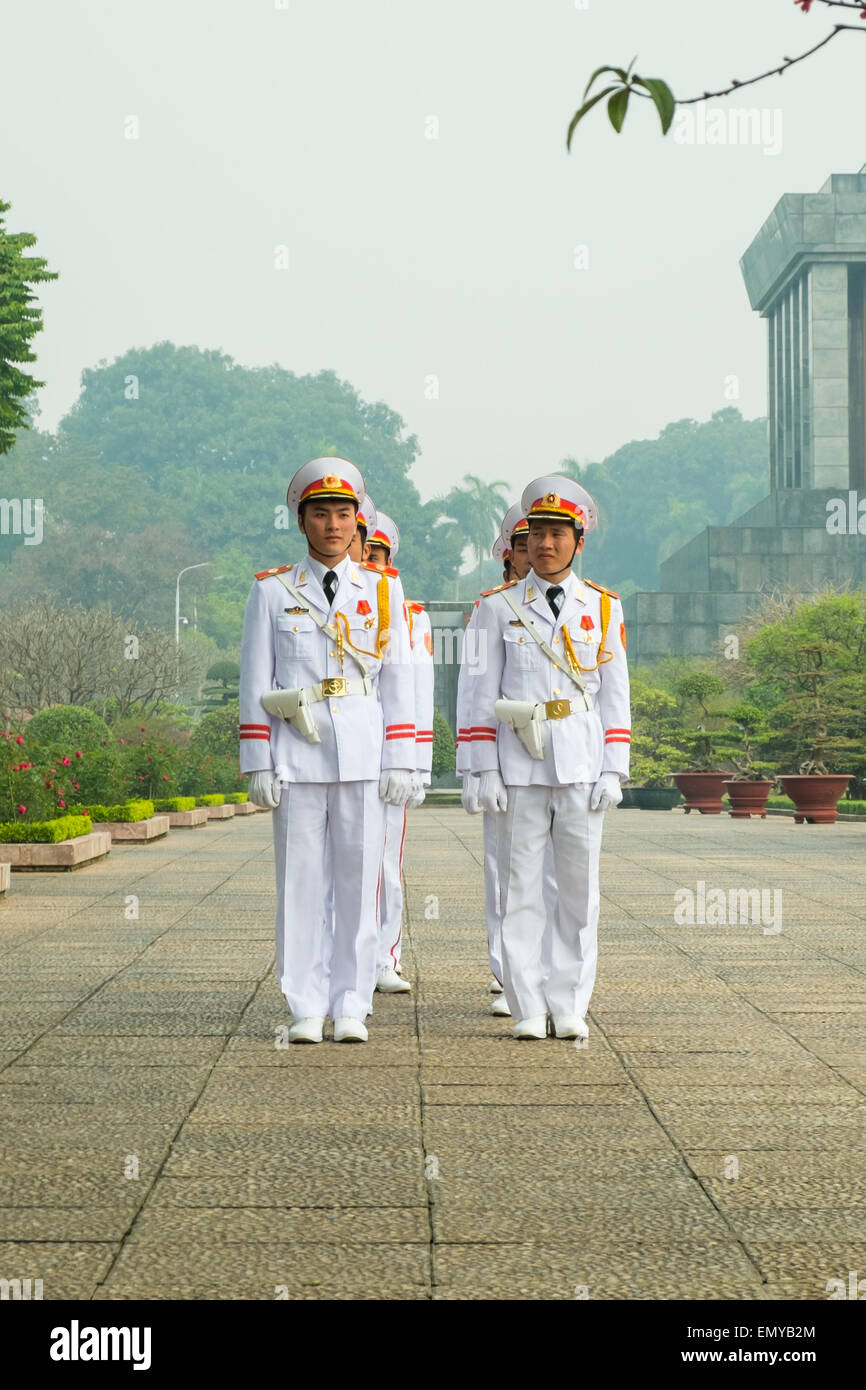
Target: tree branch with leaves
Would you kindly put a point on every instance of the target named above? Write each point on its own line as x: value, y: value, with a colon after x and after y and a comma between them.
x: 657, y: 90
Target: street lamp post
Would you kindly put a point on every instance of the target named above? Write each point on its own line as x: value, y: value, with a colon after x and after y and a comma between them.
x: 200, y: 566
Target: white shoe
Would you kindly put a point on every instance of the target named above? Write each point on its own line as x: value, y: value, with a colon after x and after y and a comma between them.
x: 570, y: 1026
x: 306, y: 1030
x: 495, y: 986
x: 500, y: 1008
x: 349, y: 1030
x: 531, y: 1028
x: 389, y: 982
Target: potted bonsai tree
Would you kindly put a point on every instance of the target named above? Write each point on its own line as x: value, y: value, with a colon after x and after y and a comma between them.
x: 750, y: 787
x: 654, y: 754
x: 818, y: 656
x: 705, y: 734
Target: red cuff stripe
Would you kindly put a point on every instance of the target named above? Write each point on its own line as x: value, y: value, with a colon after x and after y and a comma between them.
x: 617, y: 731
x: 399, y: 726
x: 255, y: 726
x: 266, y: 737
x: 482, y: 729
x: 407, y: 734
x: 618, y: 739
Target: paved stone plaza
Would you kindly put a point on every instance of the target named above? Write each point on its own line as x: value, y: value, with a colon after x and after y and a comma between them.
x: 709, y: 1143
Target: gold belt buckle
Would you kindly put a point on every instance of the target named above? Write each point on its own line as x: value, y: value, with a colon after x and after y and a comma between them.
x: 334, y: 685
x: 557, y: 709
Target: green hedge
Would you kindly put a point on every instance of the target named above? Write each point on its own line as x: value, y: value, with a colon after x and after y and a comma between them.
x: 174, y: 803
x: 845, y: 808
x: 236, y: 798
x: 212, y: 799
x: 44, y: 832
x: 127, y: 811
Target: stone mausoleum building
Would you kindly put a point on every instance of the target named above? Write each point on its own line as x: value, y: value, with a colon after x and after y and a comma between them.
x: 805, y: 273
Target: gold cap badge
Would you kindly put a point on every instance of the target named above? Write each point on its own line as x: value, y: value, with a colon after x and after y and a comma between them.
x: 330, y: 480
x: 552, y: 499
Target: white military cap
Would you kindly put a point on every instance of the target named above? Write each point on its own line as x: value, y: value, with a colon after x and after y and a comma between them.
x: 514, y: 523
x: 561, y: 498
x: 500, y: 549
x: 325, y: 477
x: 385, y: 533
x: 367, y: 513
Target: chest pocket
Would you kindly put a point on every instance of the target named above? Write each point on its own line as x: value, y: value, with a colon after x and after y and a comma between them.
x: 521, y: 651
x: 585, y: 651
x: 295, y: 635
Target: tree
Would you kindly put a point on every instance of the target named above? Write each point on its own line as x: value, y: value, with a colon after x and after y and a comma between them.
x: 62, y: 654
x: 818, y: 655
x: 628, y: 84
x: 478, y: 508
x: 20, y: 321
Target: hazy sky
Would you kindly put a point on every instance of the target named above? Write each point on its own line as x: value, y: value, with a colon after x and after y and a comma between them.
x: 306, y: 125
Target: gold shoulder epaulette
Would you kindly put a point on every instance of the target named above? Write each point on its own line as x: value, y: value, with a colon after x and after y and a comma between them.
x: 414, y: 605
x: 388, y: 569
x: 280, y: 569
x: 498, y: 590
x: 602, y: 588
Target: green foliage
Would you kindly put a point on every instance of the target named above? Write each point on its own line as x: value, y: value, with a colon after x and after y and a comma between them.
x: 127, y: 811
x: 211, y: 799
x: 33, y: 786
x: 818, y: 654
x: 236, y: 799
x: 72, y: 725
x: 174, y: 803
x: 654, y: 495
x: 223, y: 679
x: 211, y: 445
x: 706, y: 732
x: 655, y: 88
x: 150, y: 769
x: 20, y: 321
x: 444, y: 750
x: 749, y: 729
x: 477, y: 508
x: 48, y: 832
x: 211, y: 774
x: 216, y: 733
x: 655, y: 750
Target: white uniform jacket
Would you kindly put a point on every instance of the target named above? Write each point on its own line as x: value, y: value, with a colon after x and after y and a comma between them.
x: 421, y: 639
x: 284, y: 649
x: 511, y: 664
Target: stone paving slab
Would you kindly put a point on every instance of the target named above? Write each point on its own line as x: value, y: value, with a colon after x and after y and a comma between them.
x: 442, y: 1160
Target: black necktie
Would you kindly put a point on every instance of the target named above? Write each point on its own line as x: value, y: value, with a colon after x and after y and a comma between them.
x: 554, y: 598
x: 329, y: 584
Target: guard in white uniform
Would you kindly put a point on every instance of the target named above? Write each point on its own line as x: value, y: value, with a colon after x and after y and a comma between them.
x: 383, y: 542
x: 550, y: 743
x: 327, y: 733
x: 510, y: 547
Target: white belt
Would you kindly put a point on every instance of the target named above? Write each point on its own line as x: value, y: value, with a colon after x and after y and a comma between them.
x: 338, y: 685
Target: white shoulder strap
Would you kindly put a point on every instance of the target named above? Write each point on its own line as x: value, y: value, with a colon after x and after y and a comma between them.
x: 326, y: 627
x: 545, y: 646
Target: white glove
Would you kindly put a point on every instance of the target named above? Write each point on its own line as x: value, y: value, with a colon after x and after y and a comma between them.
x: 395, y: 786
x: 492, y: 795
x: 417, y: 794
x: 606, y: 792
x: 469, y: 794
x: 264, y: 790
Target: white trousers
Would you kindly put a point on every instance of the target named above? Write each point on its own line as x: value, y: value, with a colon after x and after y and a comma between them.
x: 391, y: 889
x: 492, y: 909
x: 341, y: 823
x: 549, y: 961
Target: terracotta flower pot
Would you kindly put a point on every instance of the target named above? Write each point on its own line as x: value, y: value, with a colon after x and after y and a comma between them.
x: 702, y: 791
x: 815, y: 798
x: 748, y: 798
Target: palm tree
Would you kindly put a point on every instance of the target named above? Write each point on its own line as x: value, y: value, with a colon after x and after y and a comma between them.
x: 478, y: 508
